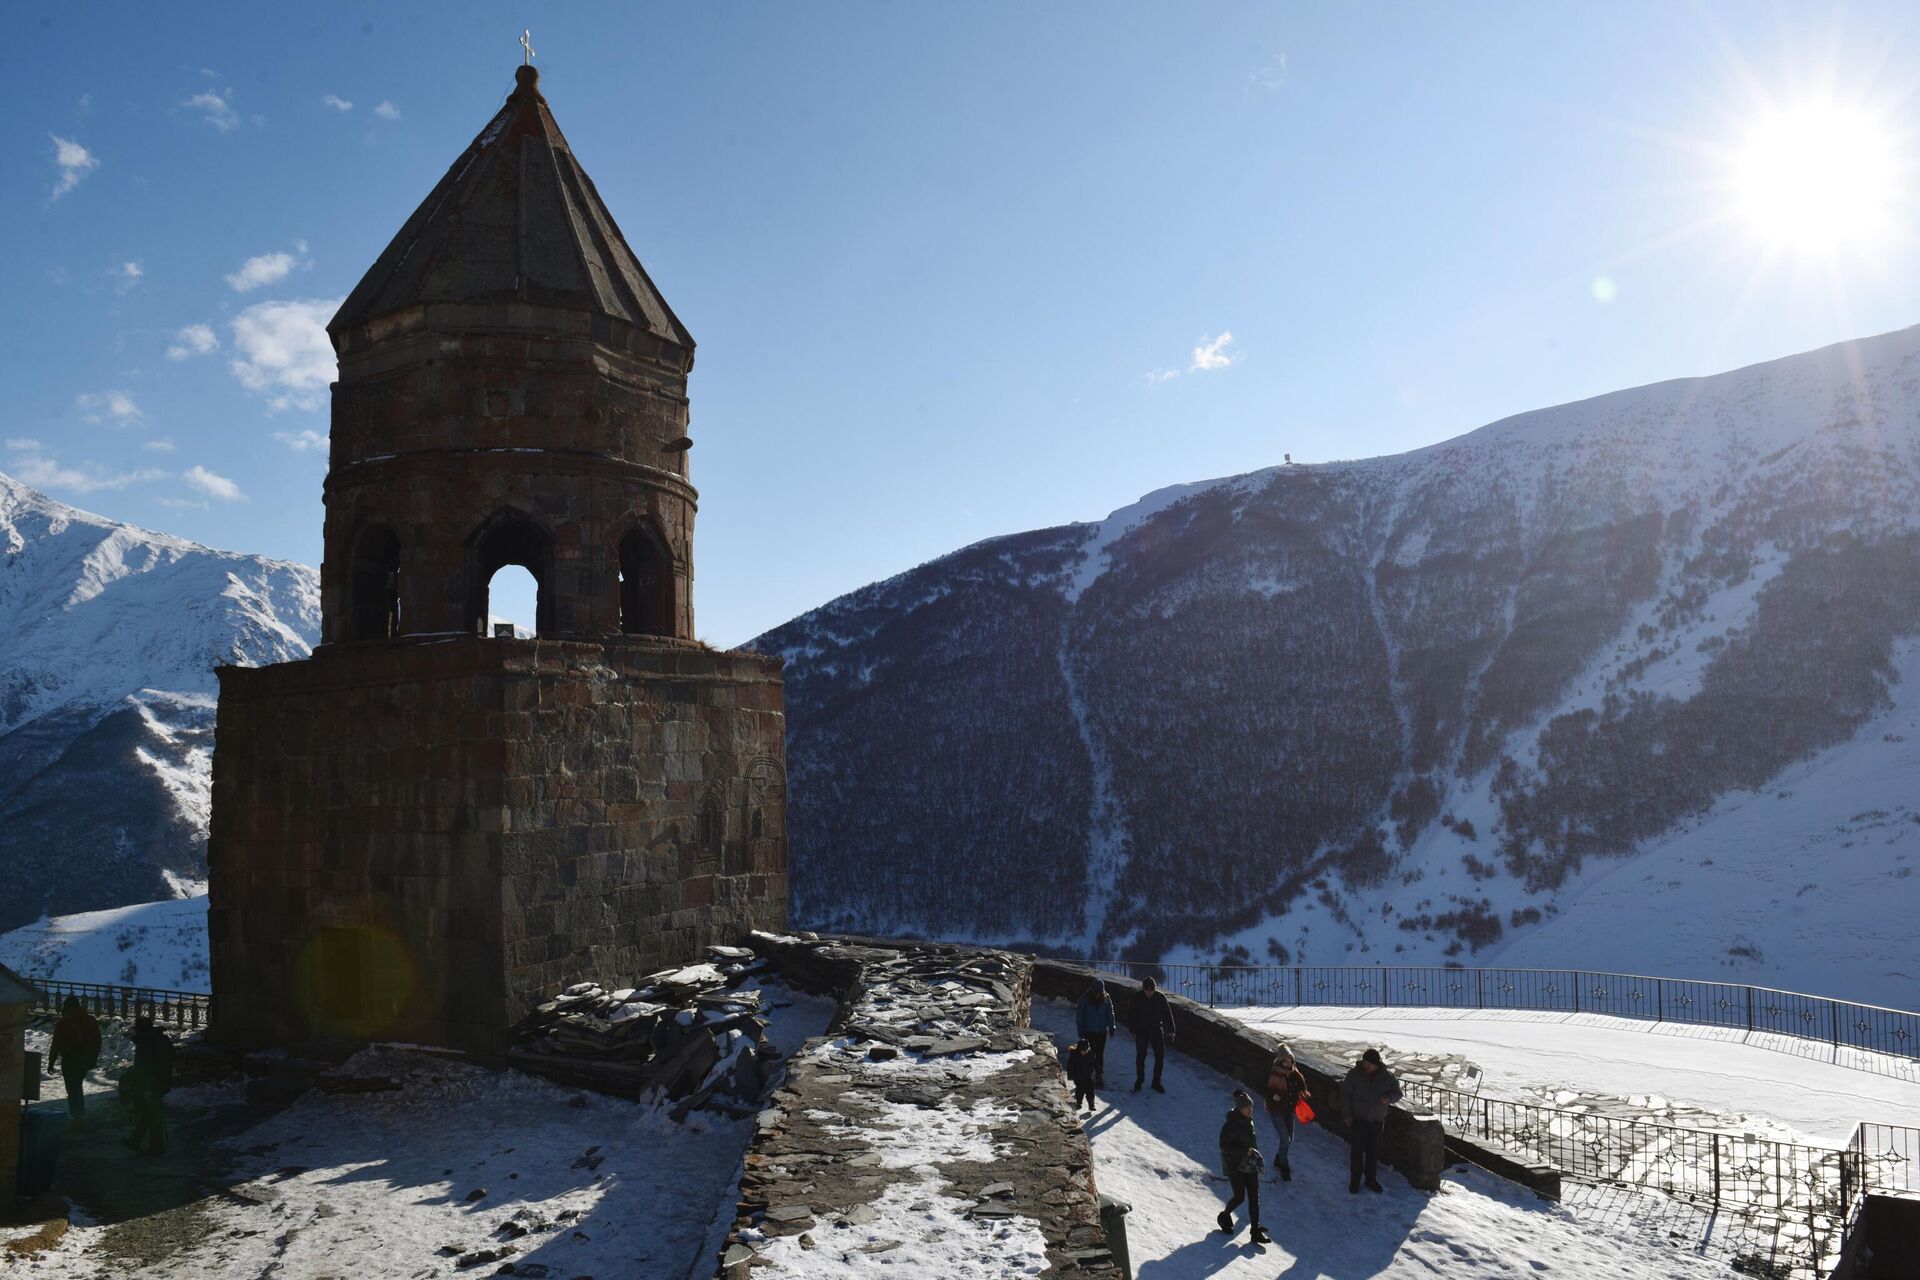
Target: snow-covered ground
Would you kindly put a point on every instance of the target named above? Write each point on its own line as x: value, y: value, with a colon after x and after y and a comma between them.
x: 1159, y: 1153
x: 150, y: 944
x: 459, y: 1160
x: 1535, y: 1056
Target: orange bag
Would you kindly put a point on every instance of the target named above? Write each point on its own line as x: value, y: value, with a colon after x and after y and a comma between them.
x: 1302, y: 1112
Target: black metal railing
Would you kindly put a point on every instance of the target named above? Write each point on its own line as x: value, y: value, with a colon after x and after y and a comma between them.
x: 1690, y: 1001
x: 1801, y: 1197
x: 1887, y: 1158
x: 181, y: 1009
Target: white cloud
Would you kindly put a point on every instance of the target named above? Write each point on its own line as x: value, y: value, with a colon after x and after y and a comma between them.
x: 387, y: 111
x: 214, y: 486
x: 194, y: 340
x: 215, y: 110
x: 1212, y: 353
x: 268, y: 268
x: 43, y: 472
x: 1157, y: 376
x: 284, y: 351
x: 19, y: 444
x: 301, y: 441
x: 162, y: 444
x: 183, y: 504
x: 108, y: 406
x: 74, y: 162
x: 337, y: 102
x: 129, y: 271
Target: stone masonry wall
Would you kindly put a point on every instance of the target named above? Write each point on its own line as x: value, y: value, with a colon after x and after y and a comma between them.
x: 1414, y: 1142
x: 454, y: 415
x: 931, y: 1125
x: 421, y: 842
x: 13, y: 1029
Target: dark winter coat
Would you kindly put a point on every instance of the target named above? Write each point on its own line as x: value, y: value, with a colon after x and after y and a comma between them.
x: 1367, y: 1097
x: 1285, y: 1086
x: 1238, y: 1152
x: 1152, y: 1015
x: 76, y: 1037
x: 1080, y: 1068
x: 152, y: 1060
x: 1095, y: 1015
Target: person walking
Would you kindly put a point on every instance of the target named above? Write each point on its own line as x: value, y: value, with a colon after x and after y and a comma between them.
x: 1240, y: 1160
x: 1080, y: 1071
x: 76, y: 1048
x: 1152, y: 1027
x: 1286, y: 1090
x: 1366, y: 1093
x: 1095, y: 1019
x: 147, y: 1082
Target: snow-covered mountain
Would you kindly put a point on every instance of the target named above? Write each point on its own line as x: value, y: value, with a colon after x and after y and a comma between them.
x: 108, y: 640
x: 1618, y: 682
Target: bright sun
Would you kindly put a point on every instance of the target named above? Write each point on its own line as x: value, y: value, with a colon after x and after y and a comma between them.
x: 1817, y: 178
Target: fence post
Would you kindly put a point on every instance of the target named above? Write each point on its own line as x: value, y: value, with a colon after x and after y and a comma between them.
x: 1480, y: 988
x: 1576, y: 991
x: 1749, y: 1010
x: 1486, y: 1118
x: 1297, y: 1000
x: 1833, y: 1019
x: 1716, y: 1167
x: 1659, y: 999
x: 1386, y: 981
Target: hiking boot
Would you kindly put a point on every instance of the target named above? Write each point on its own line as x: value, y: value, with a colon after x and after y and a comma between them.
x: 1260, y: 1236
x: 130, y: 1142
x: 1158, y: 1087
x: 1286, y: 1173
x: 1353, y: 1186
x: 1137, y: 1084
x: 1374, y: 1186
x: 1226, y: 1221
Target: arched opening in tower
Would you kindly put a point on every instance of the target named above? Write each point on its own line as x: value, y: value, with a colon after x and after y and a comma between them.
x: 373, y: 585
x: 510, y: 539
x: 646, y: 583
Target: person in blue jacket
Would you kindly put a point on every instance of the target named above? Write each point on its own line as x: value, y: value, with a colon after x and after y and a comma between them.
x: 1096, y: 1020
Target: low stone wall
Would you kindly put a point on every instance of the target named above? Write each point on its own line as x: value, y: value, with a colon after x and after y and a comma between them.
x: 931, y: 1123
x: 1414, y: 1142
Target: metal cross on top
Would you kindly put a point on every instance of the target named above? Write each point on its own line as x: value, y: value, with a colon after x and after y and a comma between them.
x: 526, y: 42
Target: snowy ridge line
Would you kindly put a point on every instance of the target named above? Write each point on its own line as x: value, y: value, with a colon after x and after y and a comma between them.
x: 1874, y: 1029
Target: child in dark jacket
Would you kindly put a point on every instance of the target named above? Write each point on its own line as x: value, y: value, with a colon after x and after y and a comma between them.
x: 1081, y: 1070
x: 1240, y: 1161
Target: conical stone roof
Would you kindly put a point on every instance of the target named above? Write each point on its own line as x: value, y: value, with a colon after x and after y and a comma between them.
x: 516, y: 219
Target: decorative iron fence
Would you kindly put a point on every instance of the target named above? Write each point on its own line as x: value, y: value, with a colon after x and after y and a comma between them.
x: 1802, y: 1198
x: 1894, y: 1032
x: 1887, y: 1157
x: 180, y: 1009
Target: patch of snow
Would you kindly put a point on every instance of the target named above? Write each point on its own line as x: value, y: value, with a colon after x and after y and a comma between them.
x: 916, y: 1232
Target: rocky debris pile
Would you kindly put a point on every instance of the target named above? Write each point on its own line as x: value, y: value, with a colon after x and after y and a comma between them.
x: 695, y: 1035
x: 931, y: 1000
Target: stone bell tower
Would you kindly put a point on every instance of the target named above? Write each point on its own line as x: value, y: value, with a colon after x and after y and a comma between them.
x: 423, y: 830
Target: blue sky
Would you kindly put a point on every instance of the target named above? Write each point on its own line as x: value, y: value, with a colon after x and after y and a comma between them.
x: 955, y: 270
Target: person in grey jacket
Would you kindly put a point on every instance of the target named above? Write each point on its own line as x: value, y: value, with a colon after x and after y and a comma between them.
x: 1366, y: 1093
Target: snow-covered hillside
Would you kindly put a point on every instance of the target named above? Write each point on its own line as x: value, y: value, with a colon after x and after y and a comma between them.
x: 151, y: 944
x: 1618, y: 682
x: 108, y: 640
